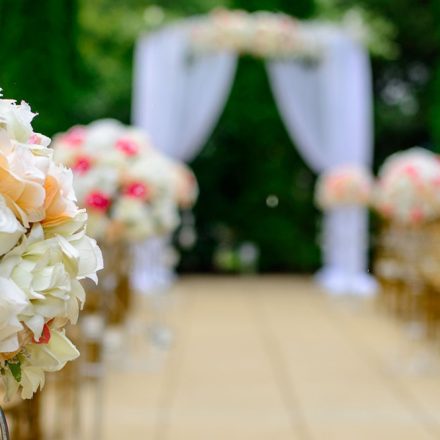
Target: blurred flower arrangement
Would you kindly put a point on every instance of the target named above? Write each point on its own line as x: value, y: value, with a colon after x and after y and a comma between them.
x: 408, y: 186
x: 344, y: 186
x: 44, y: 252
x: 276, y: 35
x: 261, y: 34
x: 130, y: 190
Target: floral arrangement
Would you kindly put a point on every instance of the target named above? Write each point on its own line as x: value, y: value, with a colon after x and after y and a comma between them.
x: 44, y: 253
x: 123, y: 182
x: 344, y: 186
x: 261, y: 34
x: 276, y: 35
x: 407, y: 190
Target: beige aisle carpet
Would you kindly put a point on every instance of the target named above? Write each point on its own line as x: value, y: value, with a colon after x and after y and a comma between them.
x: 273, y: 358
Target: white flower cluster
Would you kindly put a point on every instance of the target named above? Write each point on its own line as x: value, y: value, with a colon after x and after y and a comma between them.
x: 408, y: 187
x: 131, y: 192
x: 344, y: 186
x: 261, y: 34
x: 44, y: 252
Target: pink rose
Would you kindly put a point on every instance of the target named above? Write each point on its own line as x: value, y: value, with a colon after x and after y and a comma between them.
x: 98, y: 200
x: 137, y: 190
x: 82, y: 164
x: 127, y: 146
x: 75, y: 137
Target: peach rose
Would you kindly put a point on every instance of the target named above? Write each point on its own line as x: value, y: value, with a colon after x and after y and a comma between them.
x: 60, y: 202
x: 22, y: 178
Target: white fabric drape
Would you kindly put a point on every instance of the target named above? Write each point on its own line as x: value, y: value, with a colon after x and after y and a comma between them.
x: 325, y: 105
x: 327, y: 110
x: 345, y: 252
x: 178, y: 99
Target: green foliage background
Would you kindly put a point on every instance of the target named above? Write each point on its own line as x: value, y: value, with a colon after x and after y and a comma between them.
x: 72, y: 60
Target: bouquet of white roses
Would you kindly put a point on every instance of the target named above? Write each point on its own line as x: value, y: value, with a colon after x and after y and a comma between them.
x: 44, y: 253
x: 348, y: 185
x: 125, y: 185
x: 408, y: 187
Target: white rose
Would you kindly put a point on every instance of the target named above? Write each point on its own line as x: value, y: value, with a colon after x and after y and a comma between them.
x: 136, y: 217
x: 74, y: 225
x: 38, y: 359
x: 101, y: 135
x: 10, y: 228
x: 48, y: 271
x: 155, y: 170
x: 12, y: 302
x: 105, y: 179
x: 16, y: 119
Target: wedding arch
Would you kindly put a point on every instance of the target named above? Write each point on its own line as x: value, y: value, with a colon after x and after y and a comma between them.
x: 321, y: 82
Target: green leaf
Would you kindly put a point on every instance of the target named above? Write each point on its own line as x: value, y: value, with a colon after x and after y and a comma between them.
x: 15, y: 369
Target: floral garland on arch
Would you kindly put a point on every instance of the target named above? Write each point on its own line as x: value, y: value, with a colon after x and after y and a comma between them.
x: 275, y: 35
x: 260, y: 34
x: 130, y: 190
x: 408, y: 187
x: 348, y: 185
x: 279, y: 36
x: 44, y: 253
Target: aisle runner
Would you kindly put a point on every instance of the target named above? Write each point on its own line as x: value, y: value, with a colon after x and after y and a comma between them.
x: 271, y: 358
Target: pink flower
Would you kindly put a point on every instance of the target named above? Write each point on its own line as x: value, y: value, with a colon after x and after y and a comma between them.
x: 82, y: 164
x: 75, y: 137
x: 98, y: 200
x: 412, y: 171
x: 127, y: 146
x: 35, y: 139
x: 137, y: 190
x: 45, y: 336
